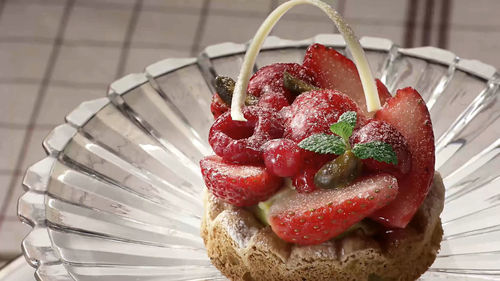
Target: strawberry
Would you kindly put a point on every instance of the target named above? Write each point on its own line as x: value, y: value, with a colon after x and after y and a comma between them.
x: 312, y: 218
x: 304, y: 179
x: 376, y: 130
x: 314, y: 111
x: 408, y: 114
x: 270, y: 79
x: 383, y: 94
x: 334, y: 71
x: 240, y: 185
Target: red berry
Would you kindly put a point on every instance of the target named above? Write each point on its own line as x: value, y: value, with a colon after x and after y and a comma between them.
x: 408, y: 114
x: 334, y: 71
x: 217, y: 107
x: 274, y: 100
x: 376, y: 130
x: 240, y: 142
x: 240, y: 185
x: 312, y: 218
x: 282, y: 157
x: 383, y: 94
x: 313, y: 112
x: 270, y: 79
x: 303, y: 181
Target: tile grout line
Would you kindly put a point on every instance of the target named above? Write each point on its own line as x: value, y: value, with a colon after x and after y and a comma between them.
x: 410, y: 17
x: 38, y: 100
x: 125, y: 49
x: 444, y: 24
x: 200, y: 29
x: 427, y: 23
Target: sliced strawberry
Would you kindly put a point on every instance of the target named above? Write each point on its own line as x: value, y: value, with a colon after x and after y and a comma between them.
x: 334, y: 71
x: 312, y: 218
x: 409, y: 115
x: 218, y: 106
x: 270, y: 79
x: 376, y: 130
x: 383, y: 94
x: 240, y: 185
x: 314, y: 111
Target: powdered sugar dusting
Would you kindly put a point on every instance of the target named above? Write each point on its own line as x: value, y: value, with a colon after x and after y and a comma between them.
x: 239, y: 230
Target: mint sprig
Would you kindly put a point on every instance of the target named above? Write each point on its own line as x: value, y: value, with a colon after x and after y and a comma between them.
x: 339, y: 143
x: 324, y: 144
x: 377, y: 150
x: 344, y: 126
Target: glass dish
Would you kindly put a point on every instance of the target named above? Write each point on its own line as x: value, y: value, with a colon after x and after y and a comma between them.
x: 119, y: 196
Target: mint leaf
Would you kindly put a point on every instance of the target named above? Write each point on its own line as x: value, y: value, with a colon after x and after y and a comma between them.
x: 324, y: 144
x: 345, y: 125
x: 377, y: 150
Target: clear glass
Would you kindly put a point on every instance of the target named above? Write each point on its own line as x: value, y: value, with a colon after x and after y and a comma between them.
x: 119, y: 196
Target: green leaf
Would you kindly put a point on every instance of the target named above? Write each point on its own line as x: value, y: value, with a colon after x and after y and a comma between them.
x: 324, y: 144
x: 345, y: 125
x: 377, y: 150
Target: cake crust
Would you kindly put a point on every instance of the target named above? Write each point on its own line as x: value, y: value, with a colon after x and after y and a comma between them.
x: 244, y: 249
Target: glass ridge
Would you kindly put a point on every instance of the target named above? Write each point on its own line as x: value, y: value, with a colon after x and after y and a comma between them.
x: 119, y: 196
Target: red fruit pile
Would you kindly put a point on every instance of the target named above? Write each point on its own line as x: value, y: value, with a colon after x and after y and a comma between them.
x: 254, y: 156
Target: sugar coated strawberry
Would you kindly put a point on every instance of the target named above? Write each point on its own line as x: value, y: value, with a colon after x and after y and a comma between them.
x: 241, y: 142
x: 313, y: 112
x: 376, y: 130
x: 408, y: 114
x: 334, y: 71
x: 240, y: 185
x: 303, y: 181
x: 312, y: 218
x: 270, y: 79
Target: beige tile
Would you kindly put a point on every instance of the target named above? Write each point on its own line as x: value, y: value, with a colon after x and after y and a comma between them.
x: 391, y: 11
x: 240, y: 29
x: 17, y: 191
x: 30, y: 20
x: 11, y: 235
x: 477, y: 45
x: 97, y: 23
x: 9, y: 150
x: 86, y: 64
x: 190, y: 4
x: 17, y: 102
x: 165, y: 28
x: 35, y: 150
x: 24, y: 60
x: 59, y: 101
x: 100, y: 2
x: 252, y: 6
x: 139, y: 58
x: 4, y: 186
x: 483, y: 13
x: 299, y: 29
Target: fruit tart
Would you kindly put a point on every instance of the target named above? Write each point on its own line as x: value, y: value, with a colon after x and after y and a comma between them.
x: 319, y: 173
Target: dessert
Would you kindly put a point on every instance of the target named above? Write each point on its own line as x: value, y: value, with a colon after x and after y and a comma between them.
x: 319, y: 173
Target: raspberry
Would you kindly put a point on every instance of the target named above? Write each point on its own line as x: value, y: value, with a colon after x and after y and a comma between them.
x: 218, y: 106
x: 282, y: 157
x: 240, y: 142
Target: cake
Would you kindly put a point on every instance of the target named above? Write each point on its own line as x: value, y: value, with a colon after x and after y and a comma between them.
x: 319, y: 172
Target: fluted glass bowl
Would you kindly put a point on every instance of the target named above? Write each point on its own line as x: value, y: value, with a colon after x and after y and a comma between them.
x: 119, y: 196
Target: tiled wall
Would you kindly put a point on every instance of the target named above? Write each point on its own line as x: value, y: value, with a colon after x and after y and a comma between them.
x: 55, y: 54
